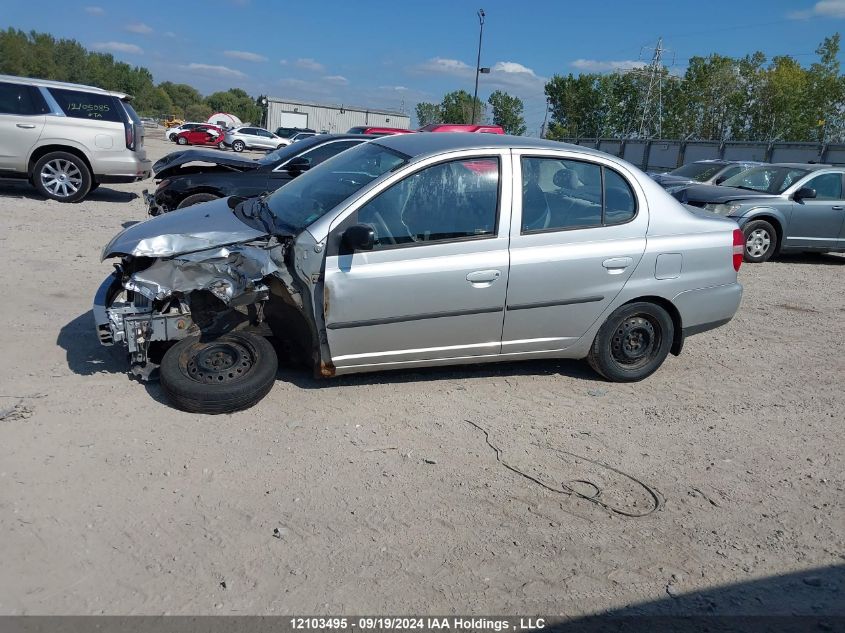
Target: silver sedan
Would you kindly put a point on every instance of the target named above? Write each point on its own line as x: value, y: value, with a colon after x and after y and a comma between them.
x: 418, y: 250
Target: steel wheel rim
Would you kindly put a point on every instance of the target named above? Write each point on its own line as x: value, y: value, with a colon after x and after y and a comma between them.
x: 61, y: 177
x: 636, y: 341
x: 219, y: 362
x: 757, y: 242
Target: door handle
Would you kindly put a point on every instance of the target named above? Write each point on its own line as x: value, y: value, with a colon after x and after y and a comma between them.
x: 483, y: 277
x: 838, y: 208
x: 616, y: 265
x: 26, y: 126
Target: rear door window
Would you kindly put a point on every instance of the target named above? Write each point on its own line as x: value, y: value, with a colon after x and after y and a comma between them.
x: 88, y: 105
x: 17, y: 99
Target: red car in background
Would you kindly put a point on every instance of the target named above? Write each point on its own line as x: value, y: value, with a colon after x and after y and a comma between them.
x: 202, y: 135
x: 378, y: 131
x: 455, y: 127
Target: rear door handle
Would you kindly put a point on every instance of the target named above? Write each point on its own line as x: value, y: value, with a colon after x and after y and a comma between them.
x: 27, y: 126
x: 483, y: 277
x: 838, y: 208
x: 616, y: 265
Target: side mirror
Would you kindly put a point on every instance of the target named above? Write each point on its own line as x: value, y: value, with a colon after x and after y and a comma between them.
x: 719, y: 180
x: 804, y: 193
x: 359, y: 237
x: 298, y: 165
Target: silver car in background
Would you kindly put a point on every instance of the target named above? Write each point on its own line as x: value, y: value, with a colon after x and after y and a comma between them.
x: 246, y: 137
x: 420, y: 250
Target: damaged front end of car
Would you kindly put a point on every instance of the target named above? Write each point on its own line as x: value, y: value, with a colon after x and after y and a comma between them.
x: 198, y: 273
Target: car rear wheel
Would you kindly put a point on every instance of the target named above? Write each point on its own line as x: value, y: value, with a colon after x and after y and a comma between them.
x: 230, y: 373
x: 632, y: 343
x: 181, y: 140
x: 238, y: 146
x: 196, y: 199
x: 761, y: 241
x: 62, y: 176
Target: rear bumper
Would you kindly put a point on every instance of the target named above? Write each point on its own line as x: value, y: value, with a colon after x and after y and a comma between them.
x: 707, y: 308
x: 120, y: 170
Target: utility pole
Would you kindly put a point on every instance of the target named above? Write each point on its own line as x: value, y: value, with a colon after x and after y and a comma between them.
x: 651, y: 121
x: 545, y: 120
x: 478, y: 68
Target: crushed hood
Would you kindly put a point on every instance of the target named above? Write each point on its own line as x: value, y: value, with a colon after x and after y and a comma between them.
x: 176, y: 159
x: 195, y: 228
x: 717, y: 194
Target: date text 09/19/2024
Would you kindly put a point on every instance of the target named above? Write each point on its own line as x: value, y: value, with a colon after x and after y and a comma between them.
x: 417, y: 623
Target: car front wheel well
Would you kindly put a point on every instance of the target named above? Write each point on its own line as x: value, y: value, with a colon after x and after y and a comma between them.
x: 678, y: 337
x: 775, y: 224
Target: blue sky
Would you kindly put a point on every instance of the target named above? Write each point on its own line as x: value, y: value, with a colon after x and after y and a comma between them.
x: 394, y: 54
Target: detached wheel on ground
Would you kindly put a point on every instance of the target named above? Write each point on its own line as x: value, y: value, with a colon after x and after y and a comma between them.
x: 62, y: 176
x: 196, y: 199
x: 221, y: 145
x: 230, y: 373
x: 238, y: 146
x: 632, y: 343
x: 761, y: 241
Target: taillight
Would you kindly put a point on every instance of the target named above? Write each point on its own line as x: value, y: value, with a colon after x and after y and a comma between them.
x: 739, y: 248
x: 130, y: 135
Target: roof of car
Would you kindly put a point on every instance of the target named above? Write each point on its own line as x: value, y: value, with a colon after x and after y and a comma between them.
x: 47, y: 83
x: 424, y: 144
x: 807, y: 166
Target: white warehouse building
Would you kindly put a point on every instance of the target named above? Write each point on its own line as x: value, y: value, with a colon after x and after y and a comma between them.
x: 329, y: 118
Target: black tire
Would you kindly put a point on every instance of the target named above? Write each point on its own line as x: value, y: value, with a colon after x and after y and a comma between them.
x: 761, y: 241
x: 181, y: 140
x: 62, y: 176
x: 230, y: 373
x: 238, y: 146
x: 172, y: 137
x: 281, y: 146
x: 196, y: 199
x: 94, y: 187
x: 632, y: 343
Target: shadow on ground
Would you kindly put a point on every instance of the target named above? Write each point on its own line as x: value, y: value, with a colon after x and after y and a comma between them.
x: 813, y: 259
x: 22, y: 189
x: 86, y: 356
x: 803, y: 601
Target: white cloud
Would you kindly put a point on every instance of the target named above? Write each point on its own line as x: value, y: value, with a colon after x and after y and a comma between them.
x: 394, y: 88
x: 119, y: 47
x: 337, y: 80
x: 139, y: 27
x: 443, y: 66
x: 825, y: 8
x: 95, y: 10
x: 306, y: 63
x: 169, y: 34
x: 600, y: 66
x: 245, y: 56
x: 218, y: 70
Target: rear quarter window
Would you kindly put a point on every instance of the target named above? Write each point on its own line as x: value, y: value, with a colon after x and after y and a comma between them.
x: 88, y: 105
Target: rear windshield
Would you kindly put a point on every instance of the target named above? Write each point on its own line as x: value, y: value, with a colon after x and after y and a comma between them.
x: 697, y: 171
x: 87, y: 105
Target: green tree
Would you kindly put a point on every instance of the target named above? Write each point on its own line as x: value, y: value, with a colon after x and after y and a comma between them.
x: 235, y: 101
x: 198, y: 112
x: 428, y: 113
x: 508, y: 112
x: 457, y: 107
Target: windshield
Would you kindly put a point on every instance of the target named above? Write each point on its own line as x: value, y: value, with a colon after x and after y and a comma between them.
x: 319, y: 190
x: 769, y: 179
x: 697, y: 171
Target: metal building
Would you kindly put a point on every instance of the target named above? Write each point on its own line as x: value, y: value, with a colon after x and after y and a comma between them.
x: 329, y: 118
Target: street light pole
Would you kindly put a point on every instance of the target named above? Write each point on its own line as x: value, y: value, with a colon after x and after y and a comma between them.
x: 478, y: 62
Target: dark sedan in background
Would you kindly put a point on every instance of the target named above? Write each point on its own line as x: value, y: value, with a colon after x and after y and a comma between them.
x: 780, y: 207
x: 707, y: 172
x: 195, y: 176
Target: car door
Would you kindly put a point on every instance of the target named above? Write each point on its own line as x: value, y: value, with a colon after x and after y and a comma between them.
x: 434, y: 284
x: 22, y: 118
x: 578, y: 231
x: 817, y: 222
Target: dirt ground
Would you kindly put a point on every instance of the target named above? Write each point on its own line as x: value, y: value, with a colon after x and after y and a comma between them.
x: 378, y: 493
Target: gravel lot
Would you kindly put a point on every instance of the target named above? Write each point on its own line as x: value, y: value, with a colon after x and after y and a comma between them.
x: 379, y: 494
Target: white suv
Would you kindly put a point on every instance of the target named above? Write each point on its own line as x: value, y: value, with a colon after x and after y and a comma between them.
x: 67, y: 139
